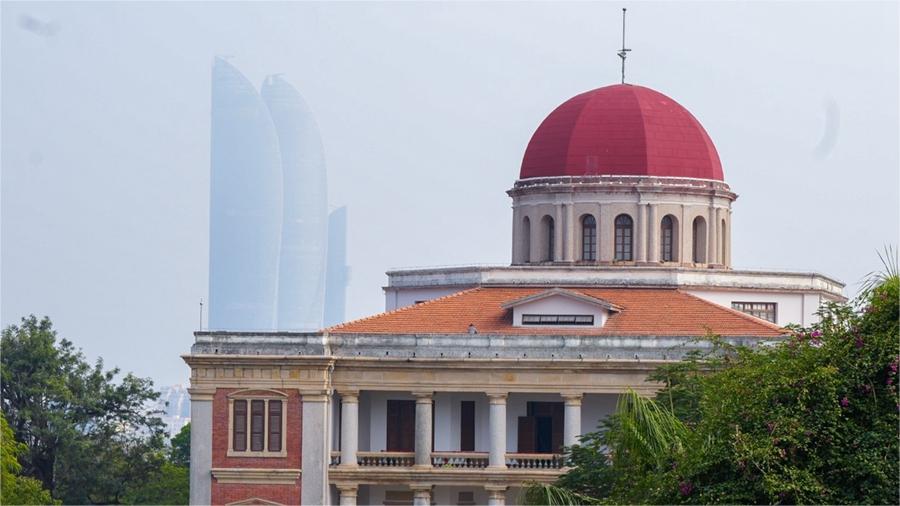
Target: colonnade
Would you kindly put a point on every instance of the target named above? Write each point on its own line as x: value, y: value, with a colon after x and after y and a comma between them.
x: 497, y: 456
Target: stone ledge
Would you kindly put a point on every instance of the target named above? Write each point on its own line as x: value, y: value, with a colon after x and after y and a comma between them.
x: 256, y: 476
x: 439, y: 476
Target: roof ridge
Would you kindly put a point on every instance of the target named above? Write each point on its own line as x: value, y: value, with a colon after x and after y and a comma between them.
x: 758, y: 321
x: 401, y: 309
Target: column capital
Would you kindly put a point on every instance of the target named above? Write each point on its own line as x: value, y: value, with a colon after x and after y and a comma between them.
x: 495, y: 487
x: 572, y: 399
x: 421, y: 487
x: 316, y: 395
x: 349, y: 396
x: 347, y: 488
x: 496, y: 397
x: 423, y: 397
x: 201, y: 394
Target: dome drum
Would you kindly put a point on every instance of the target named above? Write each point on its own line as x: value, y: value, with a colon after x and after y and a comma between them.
x: 622, y: 221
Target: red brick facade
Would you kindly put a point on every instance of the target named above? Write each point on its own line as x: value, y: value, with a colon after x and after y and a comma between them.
x: 224, y: 493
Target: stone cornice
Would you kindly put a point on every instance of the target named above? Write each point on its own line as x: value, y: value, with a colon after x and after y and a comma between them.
x: 257, y: 476
x: 439, y: 476
x: 645, y: 276
x: 622, y: 184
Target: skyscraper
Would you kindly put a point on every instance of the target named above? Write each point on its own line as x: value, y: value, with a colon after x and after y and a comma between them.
x: 245, y: 205
x: 304, y: 225
x: 337, y: 274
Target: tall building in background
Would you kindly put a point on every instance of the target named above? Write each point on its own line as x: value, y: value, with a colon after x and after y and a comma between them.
x: 245, y: 205
x: 337, y: 274
x: 304, y: 224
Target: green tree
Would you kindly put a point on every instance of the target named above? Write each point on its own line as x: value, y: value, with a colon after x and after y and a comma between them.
x: 811, y: 420
x: 181, y: 447
x: 16, y: 489
x: 89, y: 438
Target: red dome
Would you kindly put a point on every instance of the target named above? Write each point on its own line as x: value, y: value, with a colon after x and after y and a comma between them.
x: 621, y: 130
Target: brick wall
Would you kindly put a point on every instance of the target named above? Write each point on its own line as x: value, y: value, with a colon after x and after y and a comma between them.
x: 223, y: 493
x: 226, y: 493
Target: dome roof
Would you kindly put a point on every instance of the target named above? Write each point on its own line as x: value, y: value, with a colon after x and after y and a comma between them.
x: 621, y: 130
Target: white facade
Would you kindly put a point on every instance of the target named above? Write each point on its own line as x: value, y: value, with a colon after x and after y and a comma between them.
x: 797, y: 295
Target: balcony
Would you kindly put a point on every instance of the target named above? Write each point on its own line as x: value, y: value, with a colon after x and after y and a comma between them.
x: 454, y: 460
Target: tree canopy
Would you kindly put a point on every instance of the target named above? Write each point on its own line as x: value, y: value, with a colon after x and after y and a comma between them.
x: 813, y: 420
x: 87, y: 435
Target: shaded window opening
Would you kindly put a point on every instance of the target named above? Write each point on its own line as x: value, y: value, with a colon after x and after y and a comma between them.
x: 624, y: 231
x: 526, y: 239
x: 667, y: 242
x: 588, y: 238
x: 699, y: 249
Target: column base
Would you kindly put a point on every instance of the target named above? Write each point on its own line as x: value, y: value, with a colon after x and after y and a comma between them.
x: 504, y: 467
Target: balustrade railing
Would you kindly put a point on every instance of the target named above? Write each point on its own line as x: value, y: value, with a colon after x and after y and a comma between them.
x: 455, y: 460
x: 459, y: 460
x: 534, y: 461
x: 386, y: 459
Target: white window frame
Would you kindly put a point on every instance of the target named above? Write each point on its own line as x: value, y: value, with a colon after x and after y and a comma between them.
x: 257, y: 395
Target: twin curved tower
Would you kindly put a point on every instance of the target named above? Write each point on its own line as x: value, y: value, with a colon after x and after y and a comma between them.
x: 268, y: 207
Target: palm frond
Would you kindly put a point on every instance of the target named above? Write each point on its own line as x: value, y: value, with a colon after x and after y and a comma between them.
x: 648, y: 430
x: 553, y: 495
x: 874, y: 279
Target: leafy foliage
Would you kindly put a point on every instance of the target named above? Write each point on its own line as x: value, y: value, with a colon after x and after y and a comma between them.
x: 16, y: 489
x: 813, y: 419
x: 89, y: 438
x: 181, y: 447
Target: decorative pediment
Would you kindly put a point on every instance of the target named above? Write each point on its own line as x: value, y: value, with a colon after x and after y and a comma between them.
x: 252, y: 500
x: 562, y: 292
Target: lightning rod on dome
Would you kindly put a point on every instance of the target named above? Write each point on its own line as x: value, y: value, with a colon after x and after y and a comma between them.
x: 623, y: 53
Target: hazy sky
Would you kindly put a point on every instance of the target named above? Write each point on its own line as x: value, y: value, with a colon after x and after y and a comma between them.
x: 425, y: 110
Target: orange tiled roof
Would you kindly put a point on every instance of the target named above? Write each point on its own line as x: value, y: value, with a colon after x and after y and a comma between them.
x: 645, y: 311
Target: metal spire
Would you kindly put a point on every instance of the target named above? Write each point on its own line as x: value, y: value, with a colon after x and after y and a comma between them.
x: 623, y: 53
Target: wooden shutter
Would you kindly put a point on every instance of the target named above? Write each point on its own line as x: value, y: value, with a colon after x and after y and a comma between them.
x: 274, y: 426
x: 407, y: 426
x: 401, y: 431
x: 239, y: 426
x: 257, y: 422
x: 467, y: 426
x: 527, y: 427
x: 558, y: 424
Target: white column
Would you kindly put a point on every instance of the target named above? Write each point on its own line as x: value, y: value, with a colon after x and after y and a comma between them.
x: 727, y: 259
x: 517, y: 256
x: 497, y: 458
x: 349, y: 429
x: 316, y: 458
x: 424, y: 403
x: 201, y: 446
x: 711, y: 235
x: 421, y: 494
x: 348, y: 493
x: 571, y: 230
x: 572, y: 428
x: 496, y: 494
x: 640, y: 233
x: 720, y: 252
x: 653, y: 235
x: 558, y: 227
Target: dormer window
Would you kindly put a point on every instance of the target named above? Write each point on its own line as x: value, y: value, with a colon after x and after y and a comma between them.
x: 557, y: 319
x: 560, y: 307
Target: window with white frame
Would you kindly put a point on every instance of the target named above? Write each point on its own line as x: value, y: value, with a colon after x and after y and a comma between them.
x: 257, y: 425
x: 764, y: 310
